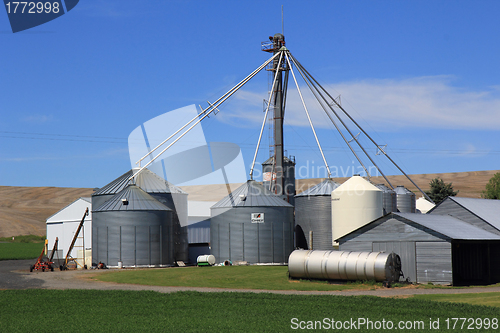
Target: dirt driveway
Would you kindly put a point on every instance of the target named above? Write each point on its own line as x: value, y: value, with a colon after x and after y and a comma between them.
x: 15, y: 274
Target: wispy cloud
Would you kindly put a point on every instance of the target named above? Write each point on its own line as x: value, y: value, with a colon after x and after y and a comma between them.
x: 425, y: 102
x: 38, y: 118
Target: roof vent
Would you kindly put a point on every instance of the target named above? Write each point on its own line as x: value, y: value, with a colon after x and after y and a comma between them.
x: 125, y: 201
x: 243, y: 197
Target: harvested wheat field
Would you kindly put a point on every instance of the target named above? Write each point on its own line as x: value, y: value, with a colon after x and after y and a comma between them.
x: 23, y: 210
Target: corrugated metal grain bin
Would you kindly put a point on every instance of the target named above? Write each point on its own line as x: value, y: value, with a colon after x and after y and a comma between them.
x: 133, y: 228
x: 252, y: 224
x: 405, y: 199
x: 390, y: 199
x: 165, y: 192
x: 313, y: 213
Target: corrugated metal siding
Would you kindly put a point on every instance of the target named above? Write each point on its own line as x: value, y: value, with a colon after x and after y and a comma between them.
x: 356, y: 246
x: 133, y: 237
x: 434, y: 262
x: 405, y: 199
x: 406, y: 251
x: 450, y: 206
x: 235, y: 237
x: 314, y: 213
x: 199, y: 232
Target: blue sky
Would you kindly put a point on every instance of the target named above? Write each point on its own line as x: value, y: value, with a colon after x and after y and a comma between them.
x: 422, y: 77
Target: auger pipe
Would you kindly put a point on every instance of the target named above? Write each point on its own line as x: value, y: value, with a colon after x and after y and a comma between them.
x: 211, y: 106
x: 214, y: 106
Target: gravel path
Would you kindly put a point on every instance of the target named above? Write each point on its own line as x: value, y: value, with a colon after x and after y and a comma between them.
x: 14, y: 274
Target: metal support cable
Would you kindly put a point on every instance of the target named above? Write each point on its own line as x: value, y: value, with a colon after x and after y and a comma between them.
x: 308, y: 117
x: 342, y: 122
x: 211, y: 105
x: 315, y: 92
x: 370, y: 138
x: 265, y: 117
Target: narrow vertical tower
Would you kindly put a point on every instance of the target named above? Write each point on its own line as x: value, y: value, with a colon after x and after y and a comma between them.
x: 278, y: 102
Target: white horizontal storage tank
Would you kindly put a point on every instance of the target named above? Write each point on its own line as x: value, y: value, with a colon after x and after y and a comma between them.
x: 355, y: 203
x: 344, y: 265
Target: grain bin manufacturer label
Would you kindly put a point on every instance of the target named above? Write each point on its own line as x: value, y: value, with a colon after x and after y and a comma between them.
x: 257, y: 217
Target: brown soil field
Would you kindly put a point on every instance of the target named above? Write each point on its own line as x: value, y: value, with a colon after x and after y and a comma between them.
x: 24, y: 210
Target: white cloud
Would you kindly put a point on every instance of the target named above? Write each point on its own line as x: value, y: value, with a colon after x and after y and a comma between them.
x: 38, y: 118
x: 425, y: 102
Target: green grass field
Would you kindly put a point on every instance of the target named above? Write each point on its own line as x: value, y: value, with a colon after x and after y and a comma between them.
x: 146, y: 311
x: 241, y: 277
x: 19, y: 251
x: 490, y: 299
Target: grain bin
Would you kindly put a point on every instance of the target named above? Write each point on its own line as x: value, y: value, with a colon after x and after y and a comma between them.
x: 313, y: 213
x: 252, y: 224
x: 345, y: 265
x: 423, y: 205
x: 405, y: 199
x: 133, y: 228
x: 175, y: 199
x: 354, y: 203
x: 165, y: 192
x: 390, y: 200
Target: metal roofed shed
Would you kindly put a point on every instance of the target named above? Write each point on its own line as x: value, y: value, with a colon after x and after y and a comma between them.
x: 433, y: 248
x: 252, y: 224
x: 483, y: 213
x: 313, y: 215
x: 63, y: 225
x: 133, y: 228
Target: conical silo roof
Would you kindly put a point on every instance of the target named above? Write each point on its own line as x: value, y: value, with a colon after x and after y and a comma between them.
x: 357, y: 184
x: 324, y: 188
x: 251, y: 194
x: 147, y: 180
x: 131, y: 198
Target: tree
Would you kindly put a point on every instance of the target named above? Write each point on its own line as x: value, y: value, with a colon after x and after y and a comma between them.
x: 440, y: 191
x: 492, y: 188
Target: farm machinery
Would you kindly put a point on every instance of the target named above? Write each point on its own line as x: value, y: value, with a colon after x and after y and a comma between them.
x: 43, y: 263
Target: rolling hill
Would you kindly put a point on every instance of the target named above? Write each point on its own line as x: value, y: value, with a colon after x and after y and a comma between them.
x: 23, y: 210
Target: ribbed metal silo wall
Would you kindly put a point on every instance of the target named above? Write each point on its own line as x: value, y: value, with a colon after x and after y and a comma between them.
x: 234, y: 237
x: 406, y: 202
x: 136, y: 238
x: 179, y: 204
x: 314, y: 213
